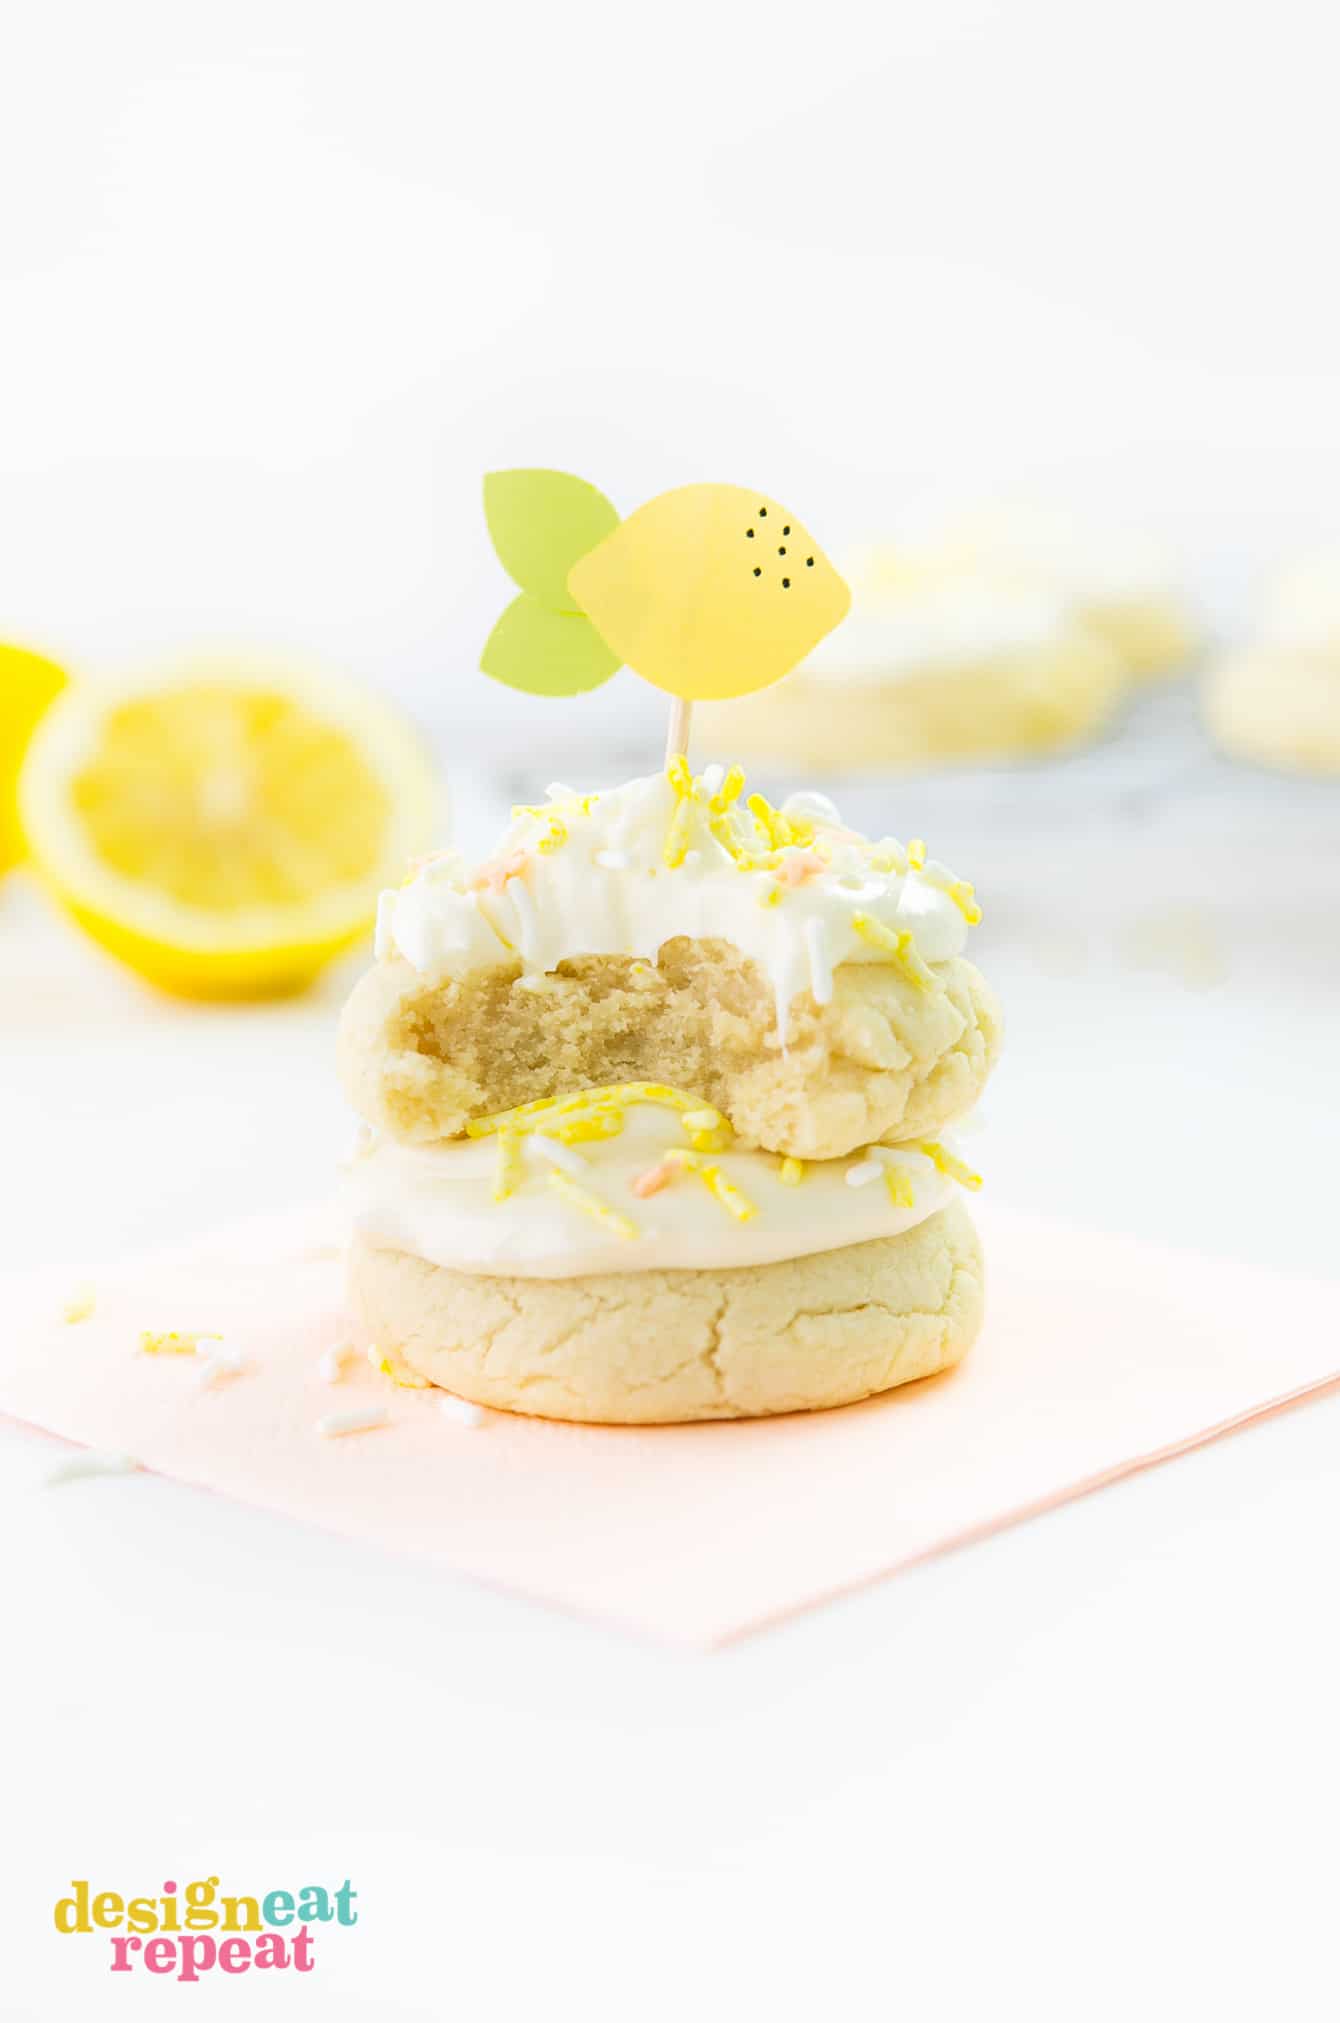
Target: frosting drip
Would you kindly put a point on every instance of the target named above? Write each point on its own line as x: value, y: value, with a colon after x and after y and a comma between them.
x: 620, y: 873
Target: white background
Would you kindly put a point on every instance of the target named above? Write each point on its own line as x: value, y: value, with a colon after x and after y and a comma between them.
x: 278, y: 282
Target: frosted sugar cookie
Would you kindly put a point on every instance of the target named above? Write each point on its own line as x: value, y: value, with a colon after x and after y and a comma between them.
x: 937, y: 664
x: 1119, y: 582
x: 660, y: 1096
x: 1277, y: 702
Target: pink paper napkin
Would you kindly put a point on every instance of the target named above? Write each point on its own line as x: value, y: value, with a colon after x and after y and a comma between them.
x: 1101, y: 1355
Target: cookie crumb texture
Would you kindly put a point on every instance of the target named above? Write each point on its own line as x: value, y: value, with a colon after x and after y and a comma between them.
x: 648, y: 1348
x: 885, y: 1060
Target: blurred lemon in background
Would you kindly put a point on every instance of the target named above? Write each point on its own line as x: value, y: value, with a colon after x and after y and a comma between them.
x: 224, y: 832
x: 28, y: 683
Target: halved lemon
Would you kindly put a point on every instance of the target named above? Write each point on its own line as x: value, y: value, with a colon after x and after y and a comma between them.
x: 224, y: 832
x: 28, y: 685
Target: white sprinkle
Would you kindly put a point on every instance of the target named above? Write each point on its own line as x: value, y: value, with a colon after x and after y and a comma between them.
x: 90, y: 1462
x: 460, y: 1411
x: 691, y: 860
x: 333, y: 1361
x: 220, y: 1366
x: 539, y: 1146
x: 711, y: 779
x: 556, y: 791
x: 363, y: 1420
x: 821, y: 966
x: 912, y: 1162
x: 861, y: 1175
x: 611, y: 860
x: 383, y: 943
x: 812, y: 808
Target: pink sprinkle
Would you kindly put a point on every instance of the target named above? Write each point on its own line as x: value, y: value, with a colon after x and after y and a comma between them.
x: 795, y: 870
x: 493, y: 877
x: 653, y: 1180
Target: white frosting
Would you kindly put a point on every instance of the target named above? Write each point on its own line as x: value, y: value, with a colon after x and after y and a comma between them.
x: 591, y: 876
x: 437, y: 1203
x: 923, y: 625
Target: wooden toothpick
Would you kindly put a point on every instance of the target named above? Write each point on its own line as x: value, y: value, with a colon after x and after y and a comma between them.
x: 677, y: 737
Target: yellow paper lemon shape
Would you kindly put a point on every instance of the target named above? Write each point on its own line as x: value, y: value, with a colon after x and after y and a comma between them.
x: 710, y: 591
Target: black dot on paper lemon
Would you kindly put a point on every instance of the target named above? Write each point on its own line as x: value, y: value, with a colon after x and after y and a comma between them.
x: 786, y: 530
x: 781, y: 551
x: 786, y: 582
x: 748, y: 533
x: 762, y: 512
x: 809, y: 561
x: 758, y: 572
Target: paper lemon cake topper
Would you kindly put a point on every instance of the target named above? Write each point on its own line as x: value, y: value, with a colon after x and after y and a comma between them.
x: 708, y: 591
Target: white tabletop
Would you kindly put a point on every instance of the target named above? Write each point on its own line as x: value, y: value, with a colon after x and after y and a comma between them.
x: 1089, y: 1762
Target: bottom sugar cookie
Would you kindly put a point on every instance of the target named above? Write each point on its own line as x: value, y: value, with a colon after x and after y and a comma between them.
x: 655, y: 1347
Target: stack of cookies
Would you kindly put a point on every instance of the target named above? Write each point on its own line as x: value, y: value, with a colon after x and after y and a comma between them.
x: 660, y: 1099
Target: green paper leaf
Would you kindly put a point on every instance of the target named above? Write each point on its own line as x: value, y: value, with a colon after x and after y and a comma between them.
x: 546, y: 652
x: 541, y: 523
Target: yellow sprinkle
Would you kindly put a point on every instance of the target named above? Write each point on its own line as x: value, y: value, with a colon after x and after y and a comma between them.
x: 888, y: 855
x: 652, y: 1092
x: 507, y: 1173
x: 591, y: 1204
x: 899, y: 946
x: 556, y: 837
x: 768, y: 819
x: 582, y: 1107
x: 708, y: 1130
x: 392, y: 1367
x: 946, y: 1163
x: 679, y: 776
x: 916, y: 854
x: 80, y: 1307
x: 791, y: 1172
x: 773, y: 896
x: 962, y: 894
x: 172, y: 1343
x: 523, y: 1116
x: 583, y: 1130
x: 677, y: 836
x: 729, y: 791
x: 899, y: 1183
x: 714, y: 1180
x: 727, y: 1193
